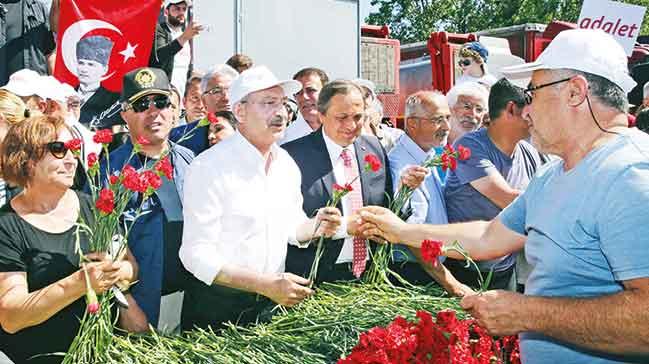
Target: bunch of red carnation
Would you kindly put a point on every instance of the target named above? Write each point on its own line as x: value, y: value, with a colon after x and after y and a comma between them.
x: 447, y: 340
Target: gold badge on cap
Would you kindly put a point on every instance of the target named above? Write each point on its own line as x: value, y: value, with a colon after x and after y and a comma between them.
x: 145, y: 78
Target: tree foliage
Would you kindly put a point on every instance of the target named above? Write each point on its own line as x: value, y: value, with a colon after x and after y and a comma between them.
x: 413, y: 20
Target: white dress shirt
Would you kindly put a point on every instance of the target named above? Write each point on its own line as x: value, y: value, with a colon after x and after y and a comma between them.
x: 347, y: 251
x: 296, y: 130
x: 236, y: 213
x: 182, y: 59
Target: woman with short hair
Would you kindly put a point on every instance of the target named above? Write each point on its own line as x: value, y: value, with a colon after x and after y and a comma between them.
x: 42, y: 287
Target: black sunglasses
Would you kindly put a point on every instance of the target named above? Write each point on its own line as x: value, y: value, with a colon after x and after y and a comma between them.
x: 464, y: 62
x: 528, y: 91
x: 160, y: 102
x: 58, y: 149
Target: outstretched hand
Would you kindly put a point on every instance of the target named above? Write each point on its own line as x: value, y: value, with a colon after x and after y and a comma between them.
x: 379, y: 224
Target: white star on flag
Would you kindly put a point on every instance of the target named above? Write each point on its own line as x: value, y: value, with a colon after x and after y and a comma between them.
x: 129, y: 52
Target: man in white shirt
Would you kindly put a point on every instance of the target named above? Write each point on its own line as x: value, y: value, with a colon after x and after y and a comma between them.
x: 243, y: 204
x: 308, y: 121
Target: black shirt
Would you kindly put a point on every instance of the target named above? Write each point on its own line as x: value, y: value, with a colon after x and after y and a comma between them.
x: 45, y: 258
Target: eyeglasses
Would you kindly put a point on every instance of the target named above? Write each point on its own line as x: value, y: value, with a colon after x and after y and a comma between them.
x: 464, y: 62
x: 160, y: 102
x: 436, y: 120
x: 58, y: 149
x: 467, y: 106
x: 529, y: 91
x: 218, y: 90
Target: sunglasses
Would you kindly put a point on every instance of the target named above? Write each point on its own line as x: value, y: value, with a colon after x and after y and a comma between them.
x: 160, y: 102
x: 464, y: 62
x: 58, y: 149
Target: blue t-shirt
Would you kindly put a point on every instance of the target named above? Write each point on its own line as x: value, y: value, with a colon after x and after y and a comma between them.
x: 586, y: 232
x: 464, y: 203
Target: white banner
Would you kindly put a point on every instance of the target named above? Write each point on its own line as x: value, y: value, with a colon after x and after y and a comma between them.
x: 622, y: 21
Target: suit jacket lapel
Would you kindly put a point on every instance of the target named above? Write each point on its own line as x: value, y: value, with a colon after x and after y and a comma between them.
x: 322, y: 160
x: 361, y: 151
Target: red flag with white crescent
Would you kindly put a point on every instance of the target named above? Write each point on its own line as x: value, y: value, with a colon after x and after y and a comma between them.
x: 101, y: 40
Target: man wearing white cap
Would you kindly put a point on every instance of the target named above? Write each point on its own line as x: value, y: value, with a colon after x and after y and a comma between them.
x: 582, y: 219
x: 241, y: 207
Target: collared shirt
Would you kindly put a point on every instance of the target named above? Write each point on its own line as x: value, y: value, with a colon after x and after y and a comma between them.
x: 296, y: 130
x: 427, y: 202
x: 334, y: 150
x: 237, y: 213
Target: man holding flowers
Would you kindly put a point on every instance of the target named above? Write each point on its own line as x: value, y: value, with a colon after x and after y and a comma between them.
x: 243, y: 204
x: 582, y: 218
x: 155, y: 236
x: 336, y: 154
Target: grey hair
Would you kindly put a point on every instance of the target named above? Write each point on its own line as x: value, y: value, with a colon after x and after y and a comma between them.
x: 645, y: 90
x: 219, y: 69
x: 377, y: 106
x: 417, y: 101
x: 607, y: 92
x: 471, y: 89
x: 336, y: 87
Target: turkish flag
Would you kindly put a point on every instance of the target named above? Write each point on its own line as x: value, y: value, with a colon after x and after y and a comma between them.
x: 101, y: 40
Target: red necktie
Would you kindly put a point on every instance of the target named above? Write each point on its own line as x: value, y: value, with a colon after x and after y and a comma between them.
x: 356, y: 202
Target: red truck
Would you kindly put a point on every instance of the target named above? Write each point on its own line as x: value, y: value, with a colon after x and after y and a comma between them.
x: 399, y: 70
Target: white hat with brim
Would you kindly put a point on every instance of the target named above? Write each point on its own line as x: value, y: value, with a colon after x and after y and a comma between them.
x: 586, y: 50
x: 259, y: 78
x: 23, y: 83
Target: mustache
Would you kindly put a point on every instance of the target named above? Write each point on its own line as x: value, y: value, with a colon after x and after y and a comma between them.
x: 278, y: 120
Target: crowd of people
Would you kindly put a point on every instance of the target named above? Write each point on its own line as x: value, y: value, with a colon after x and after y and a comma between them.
x: 550, y: 201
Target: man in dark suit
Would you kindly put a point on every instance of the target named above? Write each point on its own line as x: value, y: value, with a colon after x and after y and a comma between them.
x: 335, y: 153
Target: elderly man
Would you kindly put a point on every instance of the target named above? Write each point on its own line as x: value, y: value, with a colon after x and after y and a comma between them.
x: 242, y: 207
x: 468, y: 103
x: 427, y: 126
x: 154, y: 238
x: 335, y: 154
x: 312, y: 80
x: 215, y: 86
x: 502, y: 164
x: 192, y: 100
x: 582, y: 218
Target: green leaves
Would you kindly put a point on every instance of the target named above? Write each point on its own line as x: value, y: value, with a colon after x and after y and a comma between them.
x: 413, y: 20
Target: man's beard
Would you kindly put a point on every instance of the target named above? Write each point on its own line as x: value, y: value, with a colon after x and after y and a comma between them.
x: 174, y: 21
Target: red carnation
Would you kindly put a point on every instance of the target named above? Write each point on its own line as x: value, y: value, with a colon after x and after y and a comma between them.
x: 73, y: 144
x: 106, y: 201
x: 151, y: 179
x: 92, y: 159
x: 113, y: 179
x: 464, y: 153
x: 372, y: 162
x: 142, y: 140
x: 163, y: 167
x: 212, y: 118
x: 132, y: 179
x: 431, y: 250
x: 103, y: 136
x: 338, y: 187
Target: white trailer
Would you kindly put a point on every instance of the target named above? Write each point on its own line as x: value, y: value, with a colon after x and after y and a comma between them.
x: 285, y: 35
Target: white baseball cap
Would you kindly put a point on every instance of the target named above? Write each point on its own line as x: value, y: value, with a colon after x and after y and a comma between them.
x: 51, y: 88
x: 259, y: 78
x: 170, y: 2
x: 23, y: 83
x: 586, y: 50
